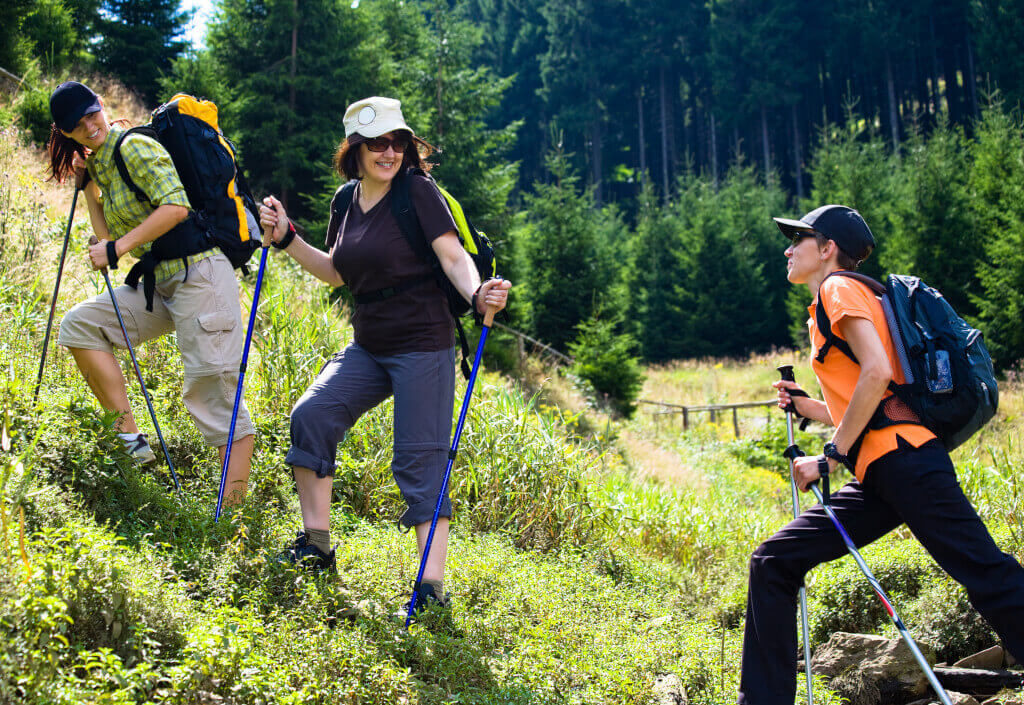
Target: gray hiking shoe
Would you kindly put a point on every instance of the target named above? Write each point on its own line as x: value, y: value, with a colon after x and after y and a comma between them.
x: 136, y: 445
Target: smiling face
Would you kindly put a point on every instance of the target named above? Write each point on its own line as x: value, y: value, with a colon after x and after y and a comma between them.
x: 381, y: 167
x: 91, y: 131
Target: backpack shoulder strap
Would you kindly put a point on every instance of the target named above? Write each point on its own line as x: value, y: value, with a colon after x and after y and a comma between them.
x: 405, y: 213
x: 122, y: 168
x: 823, y: 323
x: 339, y: 205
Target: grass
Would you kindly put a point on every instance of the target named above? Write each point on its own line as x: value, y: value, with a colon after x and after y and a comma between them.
x: 589, y: 555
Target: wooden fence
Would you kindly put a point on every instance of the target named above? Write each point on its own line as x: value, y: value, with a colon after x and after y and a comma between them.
x: 666, y: 409
x: 549, y: 354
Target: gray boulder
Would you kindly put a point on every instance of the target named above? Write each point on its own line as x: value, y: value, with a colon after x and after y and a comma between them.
x: 872, y: 670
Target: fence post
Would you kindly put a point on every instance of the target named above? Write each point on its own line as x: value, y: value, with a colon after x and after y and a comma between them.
x: 686, y: 419
x: 735, y: 422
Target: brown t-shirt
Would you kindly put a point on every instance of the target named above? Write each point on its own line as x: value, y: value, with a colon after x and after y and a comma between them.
x: 370, y: 252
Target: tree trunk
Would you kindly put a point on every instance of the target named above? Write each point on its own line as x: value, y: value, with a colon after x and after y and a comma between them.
x: 714, y: 152
x: 949, y: 71
x: 642, y: 142
x: 765, y: 145
x: 664, y: 132
x: 798, y: 168
x: 971, y: 78
x: 936, y: 98
x: 291, y: 84
x: 596, y: 144
x: 894, y: 115
x: 978, y: 681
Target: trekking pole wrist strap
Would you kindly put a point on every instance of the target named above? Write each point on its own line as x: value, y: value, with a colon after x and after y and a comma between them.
x: 112, y: 256
x: 287, y: 239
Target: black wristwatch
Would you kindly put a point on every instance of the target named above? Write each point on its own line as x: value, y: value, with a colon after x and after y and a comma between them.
x: 830, y: 451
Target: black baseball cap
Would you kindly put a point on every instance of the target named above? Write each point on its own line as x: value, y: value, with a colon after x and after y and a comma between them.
x: 841, y: 224
x: 69, y: 102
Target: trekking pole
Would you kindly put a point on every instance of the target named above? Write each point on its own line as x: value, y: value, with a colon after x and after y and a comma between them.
x: 786, y: 372
x: 488, y: 320
x: 794, y: 452
x: 886, y: 602
x: 56, y: 290
x: 138, y: 374
x: 241, y: 369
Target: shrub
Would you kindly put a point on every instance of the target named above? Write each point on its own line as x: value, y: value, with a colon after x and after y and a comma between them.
x: 607, y: 361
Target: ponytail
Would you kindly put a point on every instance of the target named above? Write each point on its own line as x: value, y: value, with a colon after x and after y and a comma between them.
x: 62, y: 149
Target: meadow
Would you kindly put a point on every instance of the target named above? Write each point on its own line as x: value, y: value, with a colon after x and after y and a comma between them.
x: 590, y: 555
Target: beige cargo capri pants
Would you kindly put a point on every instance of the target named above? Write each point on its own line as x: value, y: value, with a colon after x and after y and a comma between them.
x: 203, y: 309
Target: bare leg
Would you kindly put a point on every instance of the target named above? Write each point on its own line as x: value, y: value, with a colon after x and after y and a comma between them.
x: 237, y: 483
x: 103, y: 374
x: 314, y: 498
x: 438, y: 548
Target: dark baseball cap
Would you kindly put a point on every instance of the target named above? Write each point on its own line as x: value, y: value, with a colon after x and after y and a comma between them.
x: 69, y: 102
x: 841, y: 224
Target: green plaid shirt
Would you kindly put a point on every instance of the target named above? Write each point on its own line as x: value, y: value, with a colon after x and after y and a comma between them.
x: 153, y: 171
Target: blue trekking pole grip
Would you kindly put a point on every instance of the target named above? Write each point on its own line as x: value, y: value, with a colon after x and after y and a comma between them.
x: 265, y: 245
x: 488, y: 321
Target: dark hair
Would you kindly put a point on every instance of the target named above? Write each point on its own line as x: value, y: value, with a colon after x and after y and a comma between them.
x: 62, y: 148
x: 842, y: 259
x: 346, y: 158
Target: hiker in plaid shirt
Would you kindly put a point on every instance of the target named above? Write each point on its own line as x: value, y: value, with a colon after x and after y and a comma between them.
x: 195, y: 296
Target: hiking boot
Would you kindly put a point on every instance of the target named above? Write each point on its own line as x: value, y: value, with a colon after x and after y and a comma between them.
x: 428, y: 600
x: 306, y: 555
x: 136, y: 445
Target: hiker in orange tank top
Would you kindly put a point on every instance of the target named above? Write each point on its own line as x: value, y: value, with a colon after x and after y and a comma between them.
x: 903, y: 473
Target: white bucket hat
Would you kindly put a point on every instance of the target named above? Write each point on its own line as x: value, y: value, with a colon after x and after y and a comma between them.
x: 373, y: 117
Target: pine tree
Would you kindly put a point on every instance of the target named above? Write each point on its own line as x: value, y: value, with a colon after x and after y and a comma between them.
x: 562, y: 270
x: 997, y: 187
x: 285, y: 105
x: 14, y: 47
x: 139, y: 40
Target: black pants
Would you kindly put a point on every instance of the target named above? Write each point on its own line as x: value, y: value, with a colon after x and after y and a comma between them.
x: 915, y: 486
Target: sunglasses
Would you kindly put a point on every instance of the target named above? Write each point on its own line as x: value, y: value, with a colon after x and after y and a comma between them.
x: 381, y: 144
x: 801, y: 235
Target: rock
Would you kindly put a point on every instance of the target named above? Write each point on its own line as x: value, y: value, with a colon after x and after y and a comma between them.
x: 669, y: 690
x: 871, y: 670
x: 954, y: 697
x: 989, y: 658
x: 1007, y: 698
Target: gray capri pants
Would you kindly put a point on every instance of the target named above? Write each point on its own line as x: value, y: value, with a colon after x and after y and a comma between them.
x: 203, y: 309
x: 353, y: 382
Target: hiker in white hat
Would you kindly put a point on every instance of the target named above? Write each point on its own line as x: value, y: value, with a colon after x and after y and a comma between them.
x: 404, y: 332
